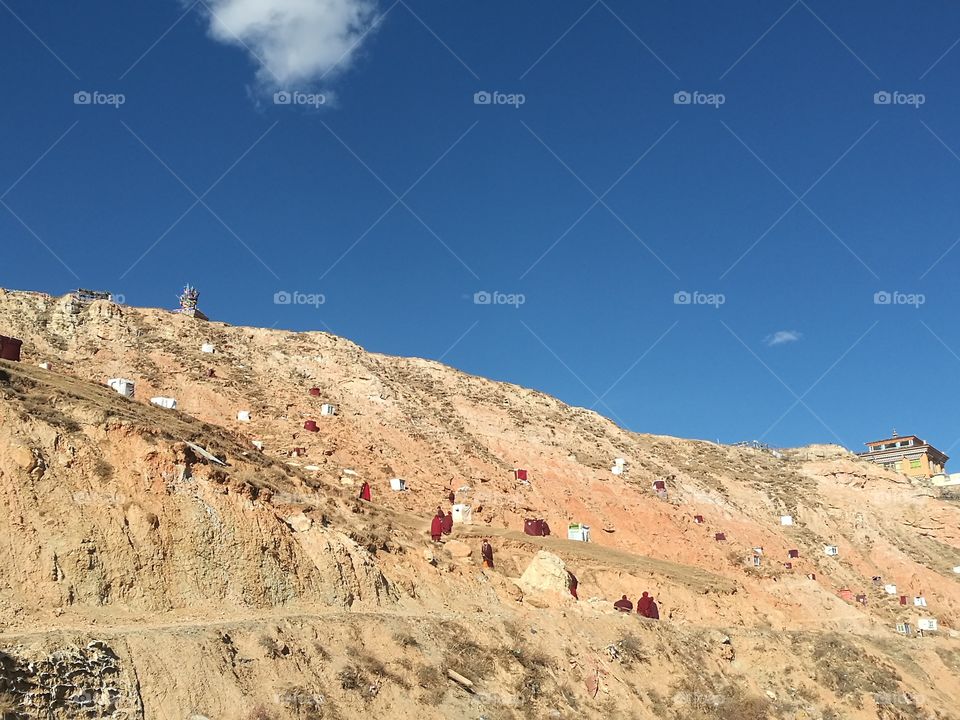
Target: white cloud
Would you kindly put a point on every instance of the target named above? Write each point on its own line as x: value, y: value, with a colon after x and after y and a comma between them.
x: 294, y: 42
x: 782, y: 337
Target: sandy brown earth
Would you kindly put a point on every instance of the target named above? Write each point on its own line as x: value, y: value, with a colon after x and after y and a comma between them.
x: 143, y: 579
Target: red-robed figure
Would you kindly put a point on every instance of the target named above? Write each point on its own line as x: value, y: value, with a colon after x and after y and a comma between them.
x: 623, y: 605
x: 647, y: 607
x: 486, y: 552
x: 365, y: 491
x: 436, y: 527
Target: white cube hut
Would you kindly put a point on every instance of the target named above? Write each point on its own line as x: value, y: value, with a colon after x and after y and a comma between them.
x: 462, y: 514
x: 928, y: 624
x: 786, y: 520
x: 398, y: 484
x: 207, y: 348
x: 165, y: 402
x: 890, y: 589
x: 243, y: 416
x: 831, y: 550
x: 122, y: 386
x: 44, y: 366
x: 920, y: 601
x: 328, y: 409
x: 578, y: 532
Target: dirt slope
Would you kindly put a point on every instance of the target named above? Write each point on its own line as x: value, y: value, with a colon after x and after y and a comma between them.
x: 145, y: 580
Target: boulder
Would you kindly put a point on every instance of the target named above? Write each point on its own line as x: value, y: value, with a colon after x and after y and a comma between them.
x: 458, y: 549
x: 546, y: 573
x: 299, y: 522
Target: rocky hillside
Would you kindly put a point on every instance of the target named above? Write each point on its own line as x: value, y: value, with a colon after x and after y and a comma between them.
x: 160, y: 565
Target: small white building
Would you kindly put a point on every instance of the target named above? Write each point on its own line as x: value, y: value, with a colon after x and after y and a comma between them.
x: 928, y: 624
x: 165, y: 402
x: 122, y: 386
x: 44, y: 366
x: 258, y: 444
x: 578, y: 532
x: 890, y: 589
x: 903, y: 628
x: 786, y: 519
x: 957, y: 569
x: 398, y: 484
x: 243, y: 416
x: 328, y: 409
x: 462, y: 514
x: 920, y: 601
x: 617, y: 469
x: 945, y: 479
x: 831, y: 550
x: 207, y: 348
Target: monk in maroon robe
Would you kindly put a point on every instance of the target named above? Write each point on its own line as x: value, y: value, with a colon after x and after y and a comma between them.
x: 654, y: 612
x: 446, y: 523
x: 452, y: 497
x: 572, y: 583
x: 365, y: 492
x: 643, y: 604
x: 623, y: 605
x: 486, y: 552
x: 436, y: 528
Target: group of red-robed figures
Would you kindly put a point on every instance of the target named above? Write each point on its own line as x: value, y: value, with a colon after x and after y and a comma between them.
x: 442, y: 524
x: 646, y: 606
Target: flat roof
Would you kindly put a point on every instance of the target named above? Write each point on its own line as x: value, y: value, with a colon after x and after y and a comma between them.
x: 898, y: 438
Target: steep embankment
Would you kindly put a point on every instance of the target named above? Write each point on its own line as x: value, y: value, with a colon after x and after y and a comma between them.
x: 262, y: 581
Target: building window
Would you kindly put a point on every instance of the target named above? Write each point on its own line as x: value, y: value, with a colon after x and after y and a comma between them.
x: 914, y: 464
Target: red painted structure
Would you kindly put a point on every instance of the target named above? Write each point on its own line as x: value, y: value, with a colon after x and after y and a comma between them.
x: 10, y: 348
x: 311, y: 425
x: 794, y: 553
x: 315, y: 392
x: 520, y: 474
x: 719, y: 537
x: 698, y: 519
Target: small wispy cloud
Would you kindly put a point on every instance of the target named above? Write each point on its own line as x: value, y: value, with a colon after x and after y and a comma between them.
x: 782, y: 337
x: 293, y: 42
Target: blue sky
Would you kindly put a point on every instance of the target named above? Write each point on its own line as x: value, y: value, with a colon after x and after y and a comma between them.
x: 781, y: 199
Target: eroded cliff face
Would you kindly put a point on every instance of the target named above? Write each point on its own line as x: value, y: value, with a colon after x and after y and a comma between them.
x: 158, y: 565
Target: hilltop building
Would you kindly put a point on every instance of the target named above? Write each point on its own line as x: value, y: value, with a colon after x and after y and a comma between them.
x: 908, y: 455
x: 189, y: 300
